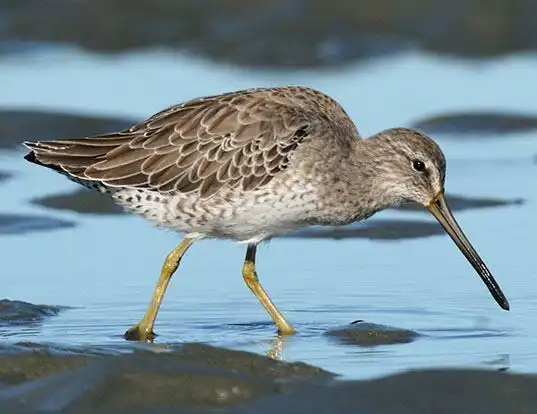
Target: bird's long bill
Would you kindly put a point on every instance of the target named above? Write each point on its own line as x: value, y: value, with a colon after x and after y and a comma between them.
x: 439, y: 208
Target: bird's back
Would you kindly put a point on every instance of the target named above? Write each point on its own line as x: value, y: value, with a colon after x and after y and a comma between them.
x: 241, y: 138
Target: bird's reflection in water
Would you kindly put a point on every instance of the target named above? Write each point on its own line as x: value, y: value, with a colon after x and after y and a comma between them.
x: 501, y: 364
x: 275, y: 350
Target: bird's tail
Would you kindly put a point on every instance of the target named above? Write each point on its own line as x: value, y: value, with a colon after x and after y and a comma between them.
x: 73, y: 157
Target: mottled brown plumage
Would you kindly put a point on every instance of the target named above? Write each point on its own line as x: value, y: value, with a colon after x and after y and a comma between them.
x: 251, y: 165
x: 243, y: 139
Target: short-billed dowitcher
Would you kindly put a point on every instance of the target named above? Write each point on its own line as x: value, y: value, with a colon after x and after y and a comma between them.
x: 254, y: 164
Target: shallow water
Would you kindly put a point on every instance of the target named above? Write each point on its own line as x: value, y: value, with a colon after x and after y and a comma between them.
x: 105, y: 268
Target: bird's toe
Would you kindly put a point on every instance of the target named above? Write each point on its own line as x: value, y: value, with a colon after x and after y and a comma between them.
x: 139, y: 333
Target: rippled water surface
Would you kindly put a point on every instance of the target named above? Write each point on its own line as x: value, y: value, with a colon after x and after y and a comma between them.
x: 104, y: 267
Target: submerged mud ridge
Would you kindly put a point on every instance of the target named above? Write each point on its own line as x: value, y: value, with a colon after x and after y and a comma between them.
x: 461, y: 203
x: 478, y: 123
x: 82, y: 201
x: 196, y: 378
x: 17, y: 125
x: 362, y: 333
x: 26, y: 223
x: 373, y: 229
x: 4, y: 175
x: 15, y: 312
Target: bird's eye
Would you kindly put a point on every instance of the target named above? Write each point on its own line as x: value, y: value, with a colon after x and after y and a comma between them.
x: 418, y: 165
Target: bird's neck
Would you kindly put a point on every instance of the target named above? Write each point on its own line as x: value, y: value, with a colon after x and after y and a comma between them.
x: 367, y: 177
x: 349, y: 192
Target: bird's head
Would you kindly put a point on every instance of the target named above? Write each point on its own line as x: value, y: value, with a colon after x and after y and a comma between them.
x: 407, y: 166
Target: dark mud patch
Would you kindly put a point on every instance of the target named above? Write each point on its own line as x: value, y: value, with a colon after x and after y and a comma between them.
x: 374, y: 230
x: 17, y: 317
x: 15, y: 312
x: 82, y: 201
x: 361, y: 333
x: 248, y: 363
x: 461, y: 203
x: 425, y: 391
x: 394, y: 229
x: 4, y: 176
x: 29, y: 365
x: 483, y: 124
x: 22, y: 224
x: 198, y: 378
x: 17, y: 126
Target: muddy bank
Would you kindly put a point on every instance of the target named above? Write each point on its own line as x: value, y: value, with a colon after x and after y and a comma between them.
x: 275, y: 33
x: 197, y: 378
x: 191, y: 376
x: 433, y: 391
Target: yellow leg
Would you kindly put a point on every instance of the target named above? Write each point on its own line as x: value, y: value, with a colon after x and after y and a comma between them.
x: 250, y: 277
x: 143, y: 331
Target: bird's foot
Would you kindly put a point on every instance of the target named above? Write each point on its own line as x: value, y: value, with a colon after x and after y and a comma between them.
x: 286, y: 330
x: 140, y: 332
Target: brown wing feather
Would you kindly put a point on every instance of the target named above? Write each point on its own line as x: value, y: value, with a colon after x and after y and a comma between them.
x: 237, y: 139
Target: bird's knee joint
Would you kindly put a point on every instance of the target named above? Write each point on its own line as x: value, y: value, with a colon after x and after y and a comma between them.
x: 171, y: 263
x: 172, y: 257
x: 248, y: 271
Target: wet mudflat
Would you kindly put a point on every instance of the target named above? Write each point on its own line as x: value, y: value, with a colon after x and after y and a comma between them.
x: 199, y: 378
